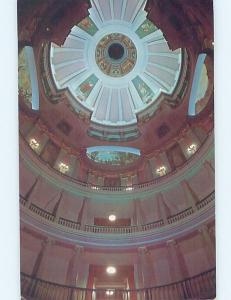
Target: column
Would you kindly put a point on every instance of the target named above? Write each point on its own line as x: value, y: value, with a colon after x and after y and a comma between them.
x: 56, y: 210
x: 27, y: 197
x: 210, y: 170
x: 82, y: 213
x: 83, y: 269
x: 178, y: 268
x: 72, y: 271
x: 208, y: 244
x: 190, y: 195
x: 138, y: 213
x: 45, y: 245
x: 164, y: 211
x: 147, y: 274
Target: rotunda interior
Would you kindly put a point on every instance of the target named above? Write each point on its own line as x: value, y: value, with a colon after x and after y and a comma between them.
x: 116, y: 145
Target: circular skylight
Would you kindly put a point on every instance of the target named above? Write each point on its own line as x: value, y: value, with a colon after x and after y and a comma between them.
x: 115, y: 62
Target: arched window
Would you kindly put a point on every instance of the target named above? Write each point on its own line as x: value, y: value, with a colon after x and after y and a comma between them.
x: 197, y: 101
x: 27, y: 77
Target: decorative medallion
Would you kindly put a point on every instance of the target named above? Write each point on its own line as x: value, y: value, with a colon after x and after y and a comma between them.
x: 116, y: 55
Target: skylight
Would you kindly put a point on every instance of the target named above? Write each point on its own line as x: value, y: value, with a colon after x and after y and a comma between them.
x: 113, y: 155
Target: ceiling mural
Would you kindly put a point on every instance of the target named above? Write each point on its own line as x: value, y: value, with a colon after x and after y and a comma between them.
x: 146, y: 28
x: 85, y: 88
x: 88, y: 25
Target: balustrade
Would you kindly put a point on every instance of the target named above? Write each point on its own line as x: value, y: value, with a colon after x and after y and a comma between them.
x: 117, y: 229
x: 69, y: 223
x: 180, y: 215
x: 42, y: 213
x: 202, y: 286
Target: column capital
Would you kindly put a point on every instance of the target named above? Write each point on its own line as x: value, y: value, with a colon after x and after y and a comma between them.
x: 48, y: 242
x: 142, y: 250
x: 78, y: 249
x: 203, y: 229
x: 172, y: 243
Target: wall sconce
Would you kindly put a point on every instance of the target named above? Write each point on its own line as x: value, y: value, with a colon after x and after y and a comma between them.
x: 34, y: 144
x: 192, y: 149
x: 63, y: 168
x: 95, y: 188
x: 161, y: 171
x: 129, y: 188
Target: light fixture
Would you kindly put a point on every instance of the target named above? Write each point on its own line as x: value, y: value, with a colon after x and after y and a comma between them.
x: 94, y: 188
x: 34, y: 144
x: 192, y: 149
x: 111, y: 270
x: 161, y: 171
x: 129, y: 188
x: 112, y: 218
x: 63, y: 168
x: 109, y: 292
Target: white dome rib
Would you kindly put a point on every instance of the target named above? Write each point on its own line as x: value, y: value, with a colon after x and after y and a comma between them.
x: 116, y: 100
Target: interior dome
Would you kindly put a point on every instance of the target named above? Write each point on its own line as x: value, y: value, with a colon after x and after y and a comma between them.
x: 116, y: 174
x: 129, y: 48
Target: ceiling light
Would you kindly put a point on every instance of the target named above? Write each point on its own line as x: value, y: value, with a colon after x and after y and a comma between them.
x: 192, y: 149
x: 112, y: 218
x: 109, y: 292
x: 63, y: 168
x: 34, y: 144
x: 111, y: 270
x: 161, y: 171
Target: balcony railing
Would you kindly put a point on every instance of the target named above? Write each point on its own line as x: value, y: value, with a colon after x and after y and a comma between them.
x: 118, y: 229
x: 202, y: 286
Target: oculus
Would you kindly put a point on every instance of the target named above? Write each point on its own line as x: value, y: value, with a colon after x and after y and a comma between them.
x: 116, y: 55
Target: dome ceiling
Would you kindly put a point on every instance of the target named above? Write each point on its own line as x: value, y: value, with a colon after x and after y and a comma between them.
x: 115, y: 62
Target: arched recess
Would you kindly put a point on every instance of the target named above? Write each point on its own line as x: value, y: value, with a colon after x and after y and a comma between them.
x: 199, y: 87
x: 28, y: 81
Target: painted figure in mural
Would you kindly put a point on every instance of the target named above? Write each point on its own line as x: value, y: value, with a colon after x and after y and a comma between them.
x: 86, y: 23
x: 146, y: 27
x: 142, y: 89
x: 86, y: 87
